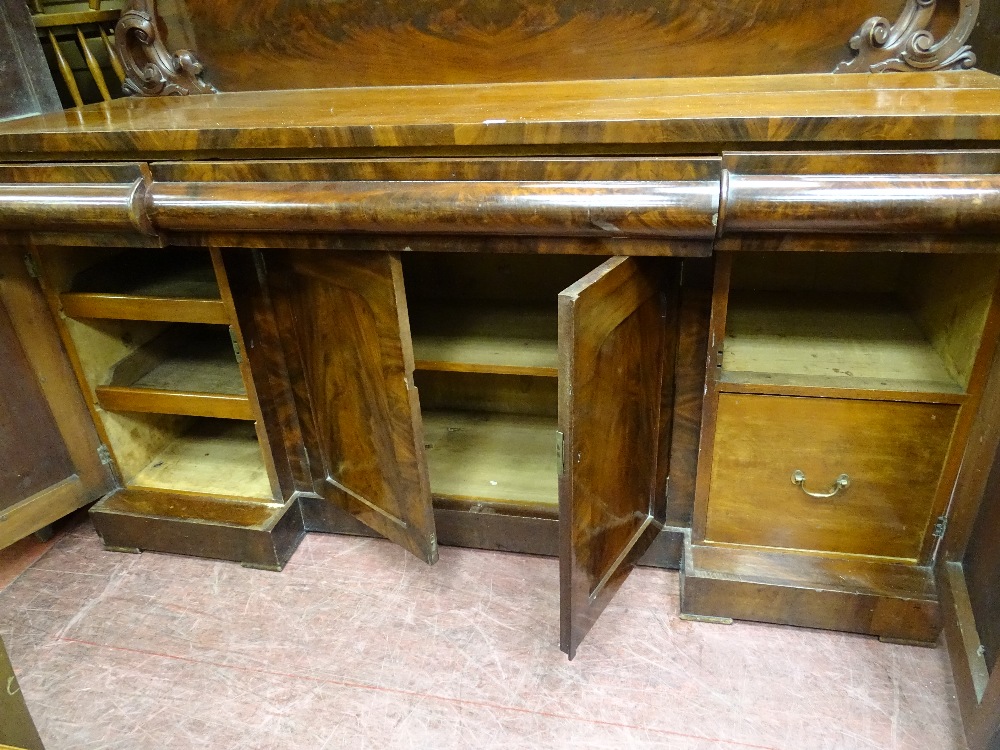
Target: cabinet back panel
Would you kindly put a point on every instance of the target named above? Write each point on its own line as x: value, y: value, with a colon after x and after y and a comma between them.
x: 816, y: 272
x: 500, y: 394
x: 62, y: 265
x: 497, y: 278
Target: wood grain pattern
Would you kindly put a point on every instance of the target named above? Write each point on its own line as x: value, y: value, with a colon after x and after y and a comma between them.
x: 256, y: 535
x: 896, y: 601
x: 510, y: 340
x: 865, y: 204
x: 248, y: 385
x: 854, y: 341
x: 169, y: 285
x: 613, y: 344
x: 353, y: 43
x: 893, y: 453
x: 353, y: 384
x: 658, y: 116
x: 695, y: 305
x: 682, y: 210
x: 73, y: 207
x: 485, y: 392
x: 497, y: 459
x: 269, y: 375
x: 219, y: 458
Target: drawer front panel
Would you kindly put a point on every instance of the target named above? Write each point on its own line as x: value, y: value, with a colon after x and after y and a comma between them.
x: 892, y: 453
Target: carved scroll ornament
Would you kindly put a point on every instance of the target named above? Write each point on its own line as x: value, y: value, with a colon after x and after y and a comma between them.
x: 150, y: 69
x: 907, y: 45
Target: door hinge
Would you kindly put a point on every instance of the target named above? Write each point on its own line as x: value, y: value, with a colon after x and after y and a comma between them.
x: 941, y: 526
x: 29, y: 263
x: 104, y: 454
x: 236, y: 345
x: 560, y: 452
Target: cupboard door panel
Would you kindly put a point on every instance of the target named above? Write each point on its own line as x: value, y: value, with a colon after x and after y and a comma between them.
x: 343, y: 321
x: 33, y: 454
x: 49, y: 459
x: 613, y: 350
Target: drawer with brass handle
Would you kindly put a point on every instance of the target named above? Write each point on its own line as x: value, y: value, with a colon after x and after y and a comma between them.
x: 864, y: 474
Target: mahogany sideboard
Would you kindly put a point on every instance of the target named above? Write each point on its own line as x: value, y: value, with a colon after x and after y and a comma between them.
x: 744, y: 326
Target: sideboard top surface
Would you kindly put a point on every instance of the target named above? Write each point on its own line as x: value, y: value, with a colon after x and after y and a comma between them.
x: 647, y: 115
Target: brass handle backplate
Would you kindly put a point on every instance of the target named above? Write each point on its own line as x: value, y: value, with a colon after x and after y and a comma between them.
x: 842, y: 483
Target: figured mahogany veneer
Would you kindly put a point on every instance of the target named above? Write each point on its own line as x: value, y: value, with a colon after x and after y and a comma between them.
x: 853, y: 218
x: 555, y: 118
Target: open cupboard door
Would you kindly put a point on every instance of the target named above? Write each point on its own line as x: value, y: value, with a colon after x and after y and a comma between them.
x: 615, y: 361
x: 342, y: 322
x: 50, y: 455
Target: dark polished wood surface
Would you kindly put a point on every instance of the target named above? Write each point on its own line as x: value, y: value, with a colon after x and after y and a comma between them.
x: 72, y: 207
x: 876, y: 204
x: 345, y: 333
x: 672, y: 199
x: 612, y: 362
x: 684, y: 210
x: 652, y: 115
x: 251, y: 45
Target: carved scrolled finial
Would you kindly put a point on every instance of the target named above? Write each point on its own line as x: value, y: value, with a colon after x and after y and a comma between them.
x: 907, y: 45
x: 150, y: 69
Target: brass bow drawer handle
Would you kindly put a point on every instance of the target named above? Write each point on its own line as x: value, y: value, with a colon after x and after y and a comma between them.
x: 842, y: 483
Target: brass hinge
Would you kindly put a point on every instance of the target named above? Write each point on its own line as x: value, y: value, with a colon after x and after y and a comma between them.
x: 560, y: 452
x: 104, y: 454
x: 941, y: 526
x: 236, y: 345
x: 29, y: 263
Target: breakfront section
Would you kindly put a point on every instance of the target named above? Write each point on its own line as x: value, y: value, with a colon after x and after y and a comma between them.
x: 843, y: 374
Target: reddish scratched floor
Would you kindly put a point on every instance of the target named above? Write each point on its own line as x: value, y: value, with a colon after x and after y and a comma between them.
x: 357, y: 645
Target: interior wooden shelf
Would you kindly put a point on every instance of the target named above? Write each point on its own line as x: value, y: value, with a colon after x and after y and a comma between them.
x: 826, y: 340
x: 503, y: 340
x: 483, y: 457
x: 189, y: 370
x: 168, y: 285
x: 215, y: 457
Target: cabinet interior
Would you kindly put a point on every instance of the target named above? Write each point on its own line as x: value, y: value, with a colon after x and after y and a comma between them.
x: 486, y: 349
x: 882, y: 322
x: 152, y: 347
